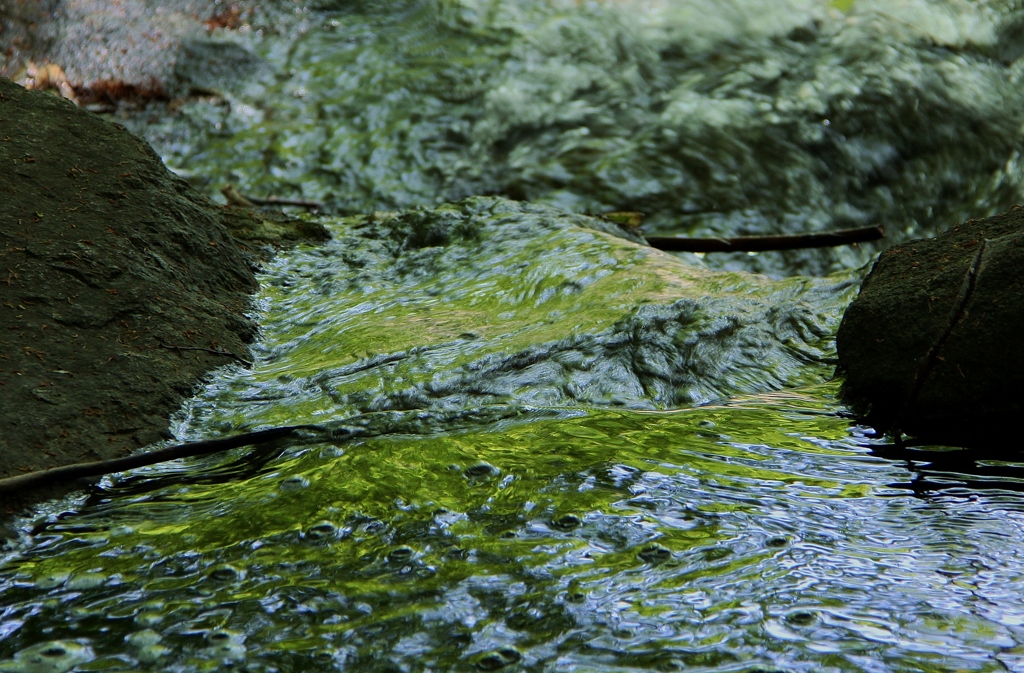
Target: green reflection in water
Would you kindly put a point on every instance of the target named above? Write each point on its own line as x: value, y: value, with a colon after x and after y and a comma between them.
x: 712, y: 117
x: 715, y: 538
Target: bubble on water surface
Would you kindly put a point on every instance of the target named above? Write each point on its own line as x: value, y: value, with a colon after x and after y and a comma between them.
x: 566, y: 522
x: 226, y: 644
x: 482, y: 471
x: 400, y: 555
x: 323, y: 530
x: 654, y: 554
x: 294, y: 483
x: 225, y: 573
x: 801, y: 617
x: 55, y: 656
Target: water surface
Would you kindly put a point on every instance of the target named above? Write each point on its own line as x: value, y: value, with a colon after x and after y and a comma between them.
x: 760, y: 535
x: 543, y: 447
x: 538, y: 495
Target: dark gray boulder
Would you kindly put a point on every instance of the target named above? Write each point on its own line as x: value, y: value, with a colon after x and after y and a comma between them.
x: 932, y: 345
x: 120, y: 287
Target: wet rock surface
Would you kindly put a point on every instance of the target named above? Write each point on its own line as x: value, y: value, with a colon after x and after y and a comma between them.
x: 130, y: 51
x: 931, y: 346
x: 495, y: 302
x: 120, y: 287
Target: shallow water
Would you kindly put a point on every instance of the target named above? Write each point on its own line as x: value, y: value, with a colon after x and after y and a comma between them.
x: 712, y: 117
x: 432, y: 525
x: 540, y: 446
x: 761, y: 535
x: 489, y: 301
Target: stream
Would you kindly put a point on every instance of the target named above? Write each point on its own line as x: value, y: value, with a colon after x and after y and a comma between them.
x: 537, y: 444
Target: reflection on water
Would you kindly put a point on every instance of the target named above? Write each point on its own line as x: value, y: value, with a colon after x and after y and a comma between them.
x: 504, y: 485
x: 712, y: 117
x: 430, y: 525
x: 759, y: 535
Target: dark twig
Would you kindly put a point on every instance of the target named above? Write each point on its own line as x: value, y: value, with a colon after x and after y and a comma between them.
x: 101, y: 467
x: 762, y: 243
x: 274, y: 201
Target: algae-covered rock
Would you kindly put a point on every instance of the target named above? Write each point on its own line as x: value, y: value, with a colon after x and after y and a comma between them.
x: 489, y: 301
x: 121, y: 287
x: 251, y: 225
x: 931, y: 346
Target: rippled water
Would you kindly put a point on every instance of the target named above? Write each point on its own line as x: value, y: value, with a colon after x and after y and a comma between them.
x: 713, y: 117
x: 541, y: 446
x: 761, y: 535
x: 426, y: 529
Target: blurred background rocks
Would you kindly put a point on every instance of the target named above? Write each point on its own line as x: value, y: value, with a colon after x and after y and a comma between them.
x: 103, y: 52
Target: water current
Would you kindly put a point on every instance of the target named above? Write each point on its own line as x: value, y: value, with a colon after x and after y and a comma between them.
x: 536, y: 444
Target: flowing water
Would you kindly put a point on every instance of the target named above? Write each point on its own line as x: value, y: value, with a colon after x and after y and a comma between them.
x: 534, y: 444
x: 525, y: 496
x: 754, y: 536
x: 714, y: 117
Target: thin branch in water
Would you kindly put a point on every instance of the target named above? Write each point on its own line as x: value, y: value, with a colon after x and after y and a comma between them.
x: 69, y: 473
x: 824, y: 239
x: 300, y: 203
x: 237, y: 198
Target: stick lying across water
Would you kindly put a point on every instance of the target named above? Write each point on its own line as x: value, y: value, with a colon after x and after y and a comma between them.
x: 823, y: 239
x: 101, y: 467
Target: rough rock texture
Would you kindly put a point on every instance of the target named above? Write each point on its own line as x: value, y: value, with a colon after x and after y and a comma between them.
x: 931, y: 346
x: 119, y: 287
x: 103, y: 53
x: 135, y: 42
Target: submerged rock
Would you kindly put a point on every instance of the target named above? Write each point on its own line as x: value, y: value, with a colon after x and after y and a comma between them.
x: 931, y: 346
x: 489, y: 301
x: 122, y: 287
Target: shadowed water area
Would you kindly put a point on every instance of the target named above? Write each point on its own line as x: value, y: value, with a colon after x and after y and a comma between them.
x: 535, y: 443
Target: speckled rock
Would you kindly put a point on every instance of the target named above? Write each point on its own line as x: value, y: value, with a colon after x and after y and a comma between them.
x: 931, y: 346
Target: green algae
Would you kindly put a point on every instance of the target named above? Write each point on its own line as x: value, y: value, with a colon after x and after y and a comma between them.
x: 438, y: 517
x: 505, y: 472
x: 599, y: 539
x: 524, y: 459
x: 489, y: 301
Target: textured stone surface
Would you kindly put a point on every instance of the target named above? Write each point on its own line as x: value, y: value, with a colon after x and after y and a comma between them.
x: 119, y: 287
x: 931, y: 346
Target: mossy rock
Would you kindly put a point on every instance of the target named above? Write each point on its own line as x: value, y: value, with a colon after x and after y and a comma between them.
x: 930, y: 347
x: 250, y: 225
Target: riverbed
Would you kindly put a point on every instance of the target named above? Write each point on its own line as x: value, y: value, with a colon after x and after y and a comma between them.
x: 538, y: 444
